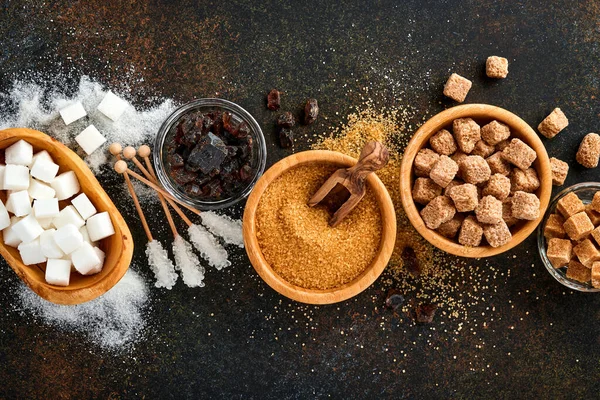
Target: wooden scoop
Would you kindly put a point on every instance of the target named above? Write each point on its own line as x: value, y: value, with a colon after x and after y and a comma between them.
x: 345, y: 188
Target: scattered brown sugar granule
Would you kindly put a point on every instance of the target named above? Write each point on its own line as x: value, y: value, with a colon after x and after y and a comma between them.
x: 560, y: 169
x: 457, y: 87
x: 297, y: 241
x: 443, y: 143
x: 519, y: 154
x: 497, y: 234
x: 525, y: 181
x: 569, y: 205
x: 424, y: 161
x: 483, y: 149
x: 425, y: 190
x: 586, y: 252
x: 554, y: 227
x: 443, y: 171
x: 589, y: 151
x: 559, y: 252
x: 439, y: 210
x: 553, y: 123
x: 495, y: 132
x: 475, y: 170
x: 467, y: 133
x: 595, y: 274
x: 507, y: 212
x: 498, y: 165
x: 578, y: 226
x: 578, y: 272
x: 471, y: 232
x: 465, y: 197
x: 525, y: 206
x: 489, y: 210
x: 498, y: 186
x: 449, y: 229
x: 496, y: 67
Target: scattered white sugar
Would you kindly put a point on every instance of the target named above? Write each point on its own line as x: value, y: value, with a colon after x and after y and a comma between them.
x: 113, y: 321
x: 188, y: 263
x: 161, y: 265
x: 209, y: 247
x: 223, y: 226
x: 144, y: 192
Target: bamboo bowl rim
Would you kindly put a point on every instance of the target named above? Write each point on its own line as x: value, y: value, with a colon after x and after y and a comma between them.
x: 318, y: 296
x: 479, y: 112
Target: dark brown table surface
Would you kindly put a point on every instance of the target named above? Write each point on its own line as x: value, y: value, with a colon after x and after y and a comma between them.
x: 539, y: 339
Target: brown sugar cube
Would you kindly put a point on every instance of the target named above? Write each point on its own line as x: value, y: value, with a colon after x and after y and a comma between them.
x: 450, y: 228
x: 495, y: 132
x: 553, y: 123
x: 483, y: 149
x: 595, y: 204
x: 497, y: 164
x: 443, y: 143
x: 489, y: 210
x: 578, y: 226
x: 578, y: 272
x: 474, y: 169
x: 559, y: 169
x: 424, y: 161
x: 457, y: 87
x: 502, y: 145
x: 465, y: 197
x: 498, y: 186
x: 443, y: 171
x: 525, y: 181
x: 589, y: 151
x: 507, y: 212
x: 470, y: 232
x: 554, y: 227
x: 425, y: 190
x: 586, y: 252
x: 525, y: 206
x: 570, y: 205
x: 519, y: 154
x: 594, y: 215
x: 596, y: 274
x: 467, y: 133
x: 595, y: 234
x: 496, y: 67
x: 439, y: 210
x: 559, y: 252
x: 497, y: 234
x: 455, y: 182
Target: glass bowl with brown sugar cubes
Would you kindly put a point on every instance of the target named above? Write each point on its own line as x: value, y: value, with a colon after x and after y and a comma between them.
x: 569, y: 237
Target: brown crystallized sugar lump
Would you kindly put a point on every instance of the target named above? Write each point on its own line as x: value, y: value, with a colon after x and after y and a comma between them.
x: 443, y: 143
x: 559, y: 169
x: 483, y: 149
x: 586, y: 252
x: 455, y: 182
x: 570, y: 205
x: 507, y: 212
x: 519, y: 154
x: 595, y: 234
x: 424, y: 161
x: 450, y: 228
x: 457, y: 87
x: 497, y: 234
x: 498, y: 165
x: 470, y: 232
x: 502, y: 145
x: 595, y: 204
x: 425, y: 190
x: 474, y: 169
x: 496, y: 67
x: 578, y: 226
x: 554, y: 227
x: 467, y: 133
x: 525, y: 181
x: 559, y: 252
x: 443, y: 171
x: 495, y: 132
x: 498, y: 186
x: 594, y: 215
x: 596, y: 275
x: 589, y: 151
x: 438, y: 211
x: 489, y: 210
x: 578, y: 272
x: 525, y: 206
x: 465, y: 197
x: 553, y: 123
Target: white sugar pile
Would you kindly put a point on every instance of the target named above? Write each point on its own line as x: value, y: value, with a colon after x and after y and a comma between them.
x: 161, y: 265
x: 208, y: 246
x: 113, y: 321
x: 220, y: 225
x: 188, y: 263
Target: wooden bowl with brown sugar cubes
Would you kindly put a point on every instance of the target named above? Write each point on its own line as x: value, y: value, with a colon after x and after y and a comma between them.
x: 476, y: 180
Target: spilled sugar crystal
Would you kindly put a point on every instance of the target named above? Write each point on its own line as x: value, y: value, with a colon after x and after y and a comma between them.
x: 208, y: 246
x: 161, y: 265
x: 188, y: 263
x: 220, y: 225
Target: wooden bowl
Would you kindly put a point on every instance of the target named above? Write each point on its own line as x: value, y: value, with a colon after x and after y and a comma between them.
x: 118, y: 247
x: 316, y: 296
x: 482, y: 113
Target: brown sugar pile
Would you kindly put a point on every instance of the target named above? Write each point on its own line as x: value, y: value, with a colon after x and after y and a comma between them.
x: 297, y: 241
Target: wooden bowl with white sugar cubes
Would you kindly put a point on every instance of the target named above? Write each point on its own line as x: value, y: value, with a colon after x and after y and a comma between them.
x: 61, y: 233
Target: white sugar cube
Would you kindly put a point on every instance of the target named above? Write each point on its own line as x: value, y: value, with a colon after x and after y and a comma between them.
x: 84, y: 206
x: 100, y: 226
x: 39, y: 190
x: 112, y: 106
x: 9, y: 236
x: 86, y: 236
x: 31, y: 252
x: 90, y: 139
x: 42, y: 155
x: 19, y: 203
x: 2, y: 169
x: 45, y: 208
x: 58, y: 272
x: 85, y: 259
x: 16, y: 177
x: 46, y: 223
x: 44, y: 170
x: 68, y: 215
x: 19, y: 153
x: 4, y: 217
x: 72, y: 112
x: 65, y: 185
x: 98, y: 267
x: 49, y: 247
x: 68, y: 238
x: 28, y: 229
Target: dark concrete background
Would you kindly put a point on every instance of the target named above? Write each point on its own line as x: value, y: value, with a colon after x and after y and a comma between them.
x: 539, y: 339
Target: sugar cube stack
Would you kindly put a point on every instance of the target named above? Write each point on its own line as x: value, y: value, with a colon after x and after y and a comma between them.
x: 90, y: 139
x: 72, y: 113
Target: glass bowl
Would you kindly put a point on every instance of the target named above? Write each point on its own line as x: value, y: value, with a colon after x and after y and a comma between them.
x: 585, y: 191
x: 168, y: 130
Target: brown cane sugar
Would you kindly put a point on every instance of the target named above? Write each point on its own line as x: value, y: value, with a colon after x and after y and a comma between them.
x: 297, y: 241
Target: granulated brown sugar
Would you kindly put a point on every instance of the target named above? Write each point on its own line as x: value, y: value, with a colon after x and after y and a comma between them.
x: 297, y: 241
